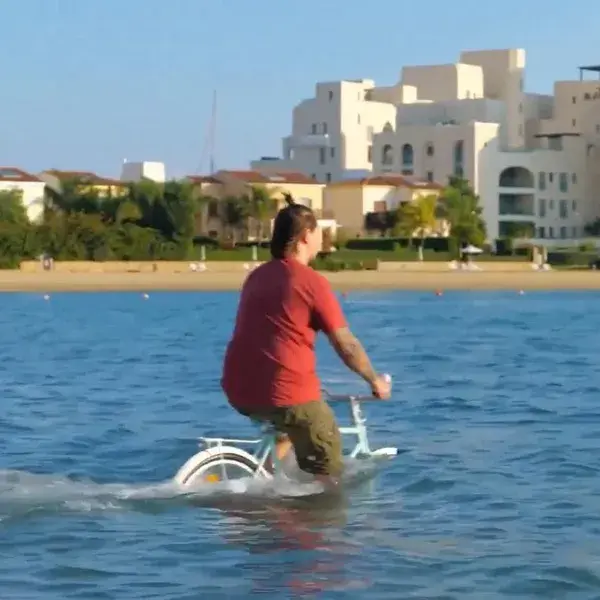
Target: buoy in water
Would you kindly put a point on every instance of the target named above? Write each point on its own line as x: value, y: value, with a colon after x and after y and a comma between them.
x: 46, y: 297
x: 439, y: 293
x: 145, y: 296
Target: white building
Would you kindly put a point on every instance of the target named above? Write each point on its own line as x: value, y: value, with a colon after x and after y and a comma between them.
x: 332, y: 132
x: 533, y: 159
x: 31, y: 189
x: 136, y: 171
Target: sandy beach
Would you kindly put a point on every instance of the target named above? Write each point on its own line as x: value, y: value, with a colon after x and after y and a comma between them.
x: 18, y: 281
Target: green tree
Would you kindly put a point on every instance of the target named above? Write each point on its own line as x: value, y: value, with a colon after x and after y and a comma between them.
x: 459, y: 205
x: 417, y: 219
x: 12, y: 209
x: 593, y: 229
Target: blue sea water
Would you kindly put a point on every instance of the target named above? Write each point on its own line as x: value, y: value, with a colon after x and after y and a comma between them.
x: 496, y: 398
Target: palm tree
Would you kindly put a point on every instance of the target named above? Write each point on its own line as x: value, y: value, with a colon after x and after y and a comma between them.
x: 234, y: 214
x: 263, y: 207
x: 71, y: 199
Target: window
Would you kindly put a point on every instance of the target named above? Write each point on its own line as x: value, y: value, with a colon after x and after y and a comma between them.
x: 314, y: 176
x: 322, y: 157
x: 328, y: 177
x: 542, y: 181
x: 542, y: 207
x: 330, y: 94
x: 387, y: 156
x: 313, y: 128
x: 407, y: 156
x: 597, y: 128
x: 574, y: 122
x: 563, y: 182
x: 555, y: 143
x: 574, y: 206
x: 551, y: 232
x: 429, y: 175
x: 574, y: 99
x: 563, y: 209
x: 358, y: 119
x: 370, y: 154
x: 551, y: 205
x: 563, y: 232
x: 213, y: 209
x: 459, y: 151
x: 332, y: 152
x: 574, y: 178
x: 550, y: 177
x: 324, y: 127
x: 541, y: 232
x: 10, y: 174
x: 430, y: 149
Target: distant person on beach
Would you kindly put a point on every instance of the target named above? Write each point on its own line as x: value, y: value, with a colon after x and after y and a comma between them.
x: 269, y: 372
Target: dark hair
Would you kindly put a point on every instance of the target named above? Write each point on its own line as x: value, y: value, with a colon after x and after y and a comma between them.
x: 290, y: 224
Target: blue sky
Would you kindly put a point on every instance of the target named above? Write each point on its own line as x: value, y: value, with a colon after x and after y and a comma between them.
x: 88, y: 83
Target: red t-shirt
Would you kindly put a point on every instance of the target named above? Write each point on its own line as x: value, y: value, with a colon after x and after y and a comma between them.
x: 270, y: 360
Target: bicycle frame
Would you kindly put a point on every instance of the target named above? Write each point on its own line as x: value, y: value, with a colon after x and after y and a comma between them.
x: 264, y: 446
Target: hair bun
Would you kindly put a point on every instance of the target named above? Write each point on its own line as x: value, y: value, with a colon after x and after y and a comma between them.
x: 289, y: 200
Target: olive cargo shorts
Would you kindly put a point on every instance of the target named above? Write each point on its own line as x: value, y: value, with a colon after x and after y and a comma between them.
x: 313, y: 432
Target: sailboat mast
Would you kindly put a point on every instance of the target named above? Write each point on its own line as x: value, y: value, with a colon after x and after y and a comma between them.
x: 213, y: 132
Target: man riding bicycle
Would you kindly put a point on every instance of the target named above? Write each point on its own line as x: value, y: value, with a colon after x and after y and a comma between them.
x: 269, y: 371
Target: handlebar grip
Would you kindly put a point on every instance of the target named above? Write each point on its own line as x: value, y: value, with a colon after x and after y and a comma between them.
x: 387, y: 378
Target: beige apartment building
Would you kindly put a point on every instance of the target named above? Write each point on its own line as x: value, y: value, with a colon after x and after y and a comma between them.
x: 350, y: 200
x: 223, y: 184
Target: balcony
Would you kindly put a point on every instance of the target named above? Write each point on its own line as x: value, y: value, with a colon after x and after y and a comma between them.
x: 315, y: 140
x: 516, y: 205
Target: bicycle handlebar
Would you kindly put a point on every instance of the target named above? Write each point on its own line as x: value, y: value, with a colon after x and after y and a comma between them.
x: 349, y: 397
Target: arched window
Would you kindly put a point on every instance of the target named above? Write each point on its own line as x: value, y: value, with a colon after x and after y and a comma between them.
x: 407, y: 156
x: 387, y: 155
x: 516, y: 177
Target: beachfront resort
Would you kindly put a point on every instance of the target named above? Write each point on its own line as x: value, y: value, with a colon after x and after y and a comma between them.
x: 358, y: 149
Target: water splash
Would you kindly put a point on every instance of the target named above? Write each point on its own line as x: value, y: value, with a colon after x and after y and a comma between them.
x: 25, y: 494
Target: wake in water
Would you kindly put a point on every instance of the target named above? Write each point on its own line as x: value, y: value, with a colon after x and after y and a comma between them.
x: 24, y: 494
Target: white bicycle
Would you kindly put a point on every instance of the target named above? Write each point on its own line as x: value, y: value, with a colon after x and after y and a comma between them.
x: 221, y: 459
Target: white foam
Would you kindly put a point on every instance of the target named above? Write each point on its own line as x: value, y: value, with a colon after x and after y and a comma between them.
x: 23, y: 493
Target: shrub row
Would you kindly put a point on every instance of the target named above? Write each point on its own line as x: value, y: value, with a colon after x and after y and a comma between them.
x: 571, y: 258
x: 397, y: 243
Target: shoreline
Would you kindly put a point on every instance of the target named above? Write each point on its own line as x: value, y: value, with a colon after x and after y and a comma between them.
x: 42, y: 282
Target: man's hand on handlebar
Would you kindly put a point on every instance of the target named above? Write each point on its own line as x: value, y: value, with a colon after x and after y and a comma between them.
x: 382, y: 387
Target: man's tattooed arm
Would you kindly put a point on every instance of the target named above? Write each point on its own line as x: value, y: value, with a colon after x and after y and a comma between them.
x: 350, y: 350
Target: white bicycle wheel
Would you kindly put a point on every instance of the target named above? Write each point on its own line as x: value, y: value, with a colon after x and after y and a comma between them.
x: 213, y: 466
